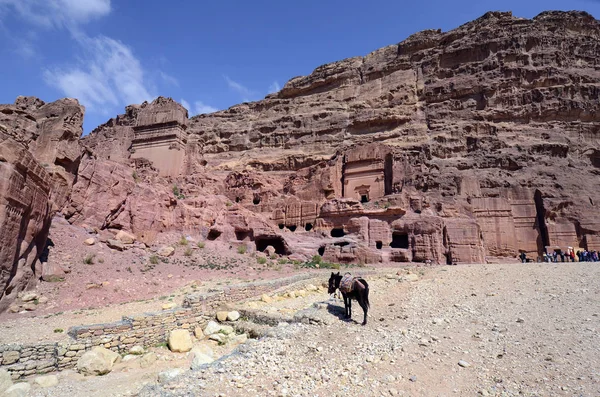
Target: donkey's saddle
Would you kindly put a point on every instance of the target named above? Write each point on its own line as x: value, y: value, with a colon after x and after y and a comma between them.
x: 347, y: 283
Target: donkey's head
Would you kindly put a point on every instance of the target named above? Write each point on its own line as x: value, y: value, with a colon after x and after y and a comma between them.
x: 334, y: 282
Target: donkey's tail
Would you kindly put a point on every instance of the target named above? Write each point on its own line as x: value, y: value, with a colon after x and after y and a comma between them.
x: 366, y: 292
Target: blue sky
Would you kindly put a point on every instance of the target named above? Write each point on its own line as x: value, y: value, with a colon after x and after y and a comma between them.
x: 207, y: 55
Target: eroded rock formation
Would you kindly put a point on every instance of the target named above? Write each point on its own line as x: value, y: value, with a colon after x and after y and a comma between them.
x: 39, y: 159
x: 452, y: 147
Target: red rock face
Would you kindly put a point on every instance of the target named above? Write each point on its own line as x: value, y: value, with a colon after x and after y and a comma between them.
x: 39, y: 159
x: 451, y: 147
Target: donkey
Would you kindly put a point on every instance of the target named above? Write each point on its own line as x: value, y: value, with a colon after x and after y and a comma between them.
x: 352, y: 288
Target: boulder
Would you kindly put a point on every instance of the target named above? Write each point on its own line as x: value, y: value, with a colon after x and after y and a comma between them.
x: 199, y: 360
x: 5, y: 380
x: 89, y: 241
x: 125, y: 238
x: 198, y: 333
x: 203, y: 348
x: 180, y: 341
x: 148, y: 360
x: 233, y: 316
x: 169, y: 374
x: 169, y: 306
x: 52, y: 272
x: 211, y: 328
x: 46, y: 381
x: 219, y: 337
x: 266, y: 298
x: 98, y: 361
x: 270, y: 250
x: 17, y: 390
x: 166, y: 251
x: 29, y: 306
x: 136, y: 350
x: 29, y: 296
x: 222, y: 316
x: 115, y: 244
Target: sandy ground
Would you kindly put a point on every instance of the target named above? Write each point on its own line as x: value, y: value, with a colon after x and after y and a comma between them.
x: 521, y: 330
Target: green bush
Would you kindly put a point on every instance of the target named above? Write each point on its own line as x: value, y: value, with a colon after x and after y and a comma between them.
x: 58, y: 330
x: 188, y: 252
x: 241, y: 249
x: 317, y: 259
x: 183, y: 241
x: 201, y: 244
x: 154, y: 260
x: 89, y: 260
x: 261, y: 260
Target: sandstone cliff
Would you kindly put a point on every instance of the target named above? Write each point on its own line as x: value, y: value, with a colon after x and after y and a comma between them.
x: 39, y: 159
x: 448, y: 147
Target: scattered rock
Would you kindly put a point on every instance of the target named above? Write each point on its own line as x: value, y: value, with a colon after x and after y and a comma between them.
x: 90, y: 241
x: 413, y: 378
x: 211, y: 328
x: 115, y: 244
x: 30, y: 296
x: 124, y: 237
x: 148, y: 360
x: 17, y: 390
x: 198, y: 333
x: 46, y: 381
x: 98, y: 361
x: 233, y: 316
x: 43, y: 300
x: 169, y: 375
x: 203, y: 348
x: 222, y: 316
x: 180, y: 341
x: 464, y: 364
x: 166, y: 251
x: 520, y: 320
x: 5, y: 380
x: 199, y: 360
x: 136, y: 350
x: 169, y: 306
x: 30, y: 306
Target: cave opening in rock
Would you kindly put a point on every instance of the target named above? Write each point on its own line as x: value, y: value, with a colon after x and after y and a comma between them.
x: 379, y: 245
x: 213, y: 234
x: 321, y: 250
x: 281, y: 226
x: 242, y: 235
x: 337, y: 232
x: 276, y: 242
x: 237, y: 199
x: 256, y: 200
x: 308, y: 227
x: 364, y: 198
x: 292, y: 228
x: 399, y: 240
x: 541, y: 221
x: 341, y: 243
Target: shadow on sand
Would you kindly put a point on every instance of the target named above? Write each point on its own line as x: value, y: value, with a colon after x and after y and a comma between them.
x: 339, y: 312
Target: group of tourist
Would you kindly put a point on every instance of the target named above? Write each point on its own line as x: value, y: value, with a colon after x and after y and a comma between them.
x: 582, y: 256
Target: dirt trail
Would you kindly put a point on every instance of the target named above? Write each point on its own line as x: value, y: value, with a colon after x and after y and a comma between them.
x: 521, y: 330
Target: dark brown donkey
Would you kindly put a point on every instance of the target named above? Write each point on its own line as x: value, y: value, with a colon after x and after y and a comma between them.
x: 358, y: 289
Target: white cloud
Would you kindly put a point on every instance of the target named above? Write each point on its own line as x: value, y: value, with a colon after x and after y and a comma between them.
x: 245, y: 93
x: 199, y: 108
x: 108, y: 75
x: 274, y: 87
x: 202, y: 108
x: 58, y: 13
x: 186, y: 105
x: 167, y: 78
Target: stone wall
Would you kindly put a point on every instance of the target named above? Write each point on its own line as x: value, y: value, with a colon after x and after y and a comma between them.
x: 147, y: 330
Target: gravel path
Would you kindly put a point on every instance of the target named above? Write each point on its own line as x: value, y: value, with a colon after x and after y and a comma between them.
x: 468, y: 330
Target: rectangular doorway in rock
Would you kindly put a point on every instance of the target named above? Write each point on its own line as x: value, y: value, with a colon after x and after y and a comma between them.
x: 399, y: 240
x: 277, y: 242
x: 242, y: 235
x: 543, y: 241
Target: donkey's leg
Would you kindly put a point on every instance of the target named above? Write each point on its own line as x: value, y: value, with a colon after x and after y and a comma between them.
x: 349, y: 307
x: 365, y: 307
x: 346, y: 305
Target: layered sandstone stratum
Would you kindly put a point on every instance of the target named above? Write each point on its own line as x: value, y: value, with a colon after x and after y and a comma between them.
x: 453, y: 147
